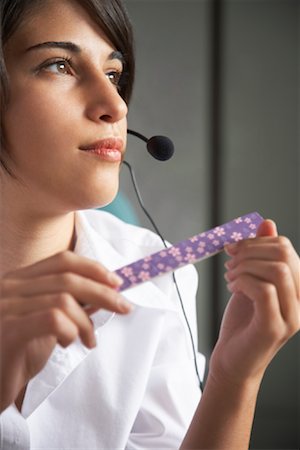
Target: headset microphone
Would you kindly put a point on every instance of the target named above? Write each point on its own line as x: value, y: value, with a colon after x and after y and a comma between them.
x: 160, y: 147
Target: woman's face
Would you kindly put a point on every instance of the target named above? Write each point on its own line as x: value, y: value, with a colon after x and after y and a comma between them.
x: 65, y: 122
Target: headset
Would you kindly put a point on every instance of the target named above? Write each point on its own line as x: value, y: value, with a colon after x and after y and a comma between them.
x: 162, y: 149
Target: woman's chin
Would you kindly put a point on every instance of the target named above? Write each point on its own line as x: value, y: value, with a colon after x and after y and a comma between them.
x: 96, y: 201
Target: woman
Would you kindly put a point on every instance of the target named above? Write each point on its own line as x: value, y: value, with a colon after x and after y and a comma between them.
x: 128, y: 381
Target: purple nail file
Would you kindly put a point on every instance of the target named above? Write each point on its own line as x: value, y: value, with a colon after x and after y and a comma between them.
x: 189, y: 251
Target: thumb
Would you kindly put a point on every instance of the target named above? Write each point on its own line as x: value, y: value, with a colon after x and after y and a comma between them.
x: 267, y: 228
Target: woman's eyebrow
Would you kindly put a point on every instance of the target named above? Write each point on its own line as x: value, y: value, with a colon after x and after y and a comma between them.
x: 117, y: 55
x: 56, y: 44
x: 74, y: 48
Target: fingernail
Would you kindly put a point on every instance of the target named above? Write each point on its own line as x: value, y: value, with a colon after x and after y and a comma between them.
x: 92, y: 341
x: 230, y: 286
x: 231, y: 249
x: 229, y: 264
x: 229, y: 276
x: 273, y: 224
x: 124, y: 306
x: 115, y: 279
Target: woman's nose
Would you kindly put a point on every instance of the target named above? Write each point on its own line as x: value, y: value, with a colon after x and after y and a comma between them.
x: 105, y: 102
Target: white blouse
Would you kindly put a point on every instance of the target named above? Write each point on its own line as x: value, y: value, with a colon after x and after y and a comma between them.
x: 138, y: 388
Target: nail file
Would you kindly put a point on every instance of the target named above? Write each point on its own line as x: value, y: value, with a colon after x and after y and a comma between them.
x: 189, y: 251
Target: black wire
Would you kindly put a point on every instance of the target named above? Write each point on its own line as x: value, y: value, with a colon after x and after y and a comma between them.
x: 140, y: 200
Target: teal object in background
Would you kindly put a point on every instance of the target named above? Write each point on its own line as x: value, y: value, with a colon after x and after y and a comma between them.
x: 122, y: 208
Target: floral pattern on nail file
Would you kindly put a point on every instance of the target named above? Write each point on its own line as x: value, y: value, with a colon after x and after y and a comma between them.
x: 189, y: 251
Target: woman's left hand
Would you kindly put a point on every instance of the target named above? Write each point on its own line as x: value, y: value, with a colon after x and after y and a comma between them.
x: 264, y: 310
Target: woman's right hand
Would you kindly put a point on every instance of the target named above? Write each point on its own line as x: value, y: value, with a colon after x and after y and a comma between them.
x: 47, y: 303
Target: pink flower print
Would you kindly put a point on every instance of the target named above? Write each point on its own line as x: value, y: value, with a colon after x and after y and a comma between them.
x: 189, y: 249
x: 163, y: 254
x: 127, y: 271
x: 201, y: 247
x: 252, y: 235
x: 216, y: 242
x: 179, y: 258
x: 247, y: 220
x: 148, y: 258
x: 219, y: 231
x: 160, y: 266
x: 133, y: 279
x: 145, y: 266
x: 144, y: 276
x: 238, y: 220
x: 252, y: 226
x: 236, y: 236
x: 202, y: 234
x: 194, y: 239
x: 174, y: 251
x: 190, y: 257
x: 210, y: 236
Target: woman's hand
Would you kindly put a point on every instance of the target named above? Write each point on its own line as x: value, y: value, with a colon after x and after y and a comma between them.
x: 264, y: 310
x: 48, y: 303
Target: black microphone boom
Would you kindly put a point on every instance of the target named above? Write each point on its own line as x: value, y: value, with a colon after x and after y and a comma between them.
x: 160, y: 147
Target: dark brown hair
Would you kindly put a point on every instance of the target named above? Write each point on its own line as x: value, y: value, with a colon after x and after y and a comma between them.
x: 110, y: 15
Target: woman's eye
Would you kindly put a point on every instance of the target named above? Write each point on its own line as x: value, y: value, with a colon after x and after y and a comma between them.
x: 61, y: 67
x: 114, y: 77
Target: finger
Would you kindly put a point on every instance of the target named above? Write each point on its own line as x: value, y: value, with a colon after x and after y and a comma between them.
x: 268, y: 316
x: 68, y: 262
x: 267, y: 228
x: 267, y: 250
x: 47, y: 323
x: 284, y: 245
x: 82, y: 289
x: 89, y: 310
x: 280, y: 250
x: 63, y: 301
x: 236, y: 247
x: 277, y: 274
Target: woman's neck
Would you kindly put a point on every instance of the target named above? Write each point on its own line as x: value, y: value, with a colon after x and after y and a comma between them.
x: 25, y: 239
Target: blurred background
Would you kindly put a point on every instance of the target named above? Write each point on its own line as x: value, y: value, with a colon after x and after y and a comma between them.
x: 221, y: 79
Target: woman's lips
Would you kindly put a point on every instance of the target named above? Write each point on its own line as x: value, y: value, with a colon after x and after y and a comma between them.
x: 107, y: 154
x: 109, y: 149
